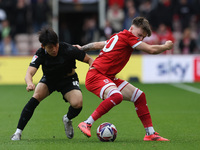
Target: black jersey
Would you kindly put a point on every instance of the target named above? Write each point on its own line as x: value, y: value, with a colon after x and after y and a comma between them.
x: 60, y: 65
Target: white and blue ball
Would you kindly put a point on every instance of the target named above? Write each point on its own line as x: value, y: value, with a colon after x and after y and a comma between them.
x: 106, y: 132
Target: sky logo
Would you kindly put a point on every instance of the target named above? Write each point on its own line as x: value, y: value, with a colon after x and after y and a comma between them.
x: 177, y: 69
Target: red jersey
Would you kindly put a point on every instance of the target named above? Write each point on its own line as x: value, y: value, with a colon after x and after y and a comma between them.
x: 116, y: 53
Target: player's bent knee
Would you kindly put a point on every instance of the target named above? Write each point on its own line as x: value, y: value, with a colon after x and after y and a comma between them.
x: 79, y: 105
x: 76, y: 103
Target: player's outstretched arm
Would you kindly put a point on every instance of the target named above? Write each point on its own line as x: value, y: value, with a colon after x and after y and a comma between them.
x: 155, y: 49
x: 93, y: 46
x: 29, y: 78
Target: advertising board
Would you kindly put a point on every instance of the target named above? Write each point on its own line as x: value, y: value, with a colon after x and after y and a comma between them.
x: 167, y: 68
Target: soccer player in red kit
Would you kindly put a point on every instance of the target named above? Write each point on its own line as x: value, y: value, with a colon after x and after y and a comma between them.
x: 101, y: 79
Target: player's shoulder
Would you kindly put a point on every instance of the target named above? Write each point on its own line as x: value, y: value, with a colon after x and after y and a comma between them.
x: 40, y: 52
x: 127, y: 36
x: 63, y: 46
x: 125, y: 33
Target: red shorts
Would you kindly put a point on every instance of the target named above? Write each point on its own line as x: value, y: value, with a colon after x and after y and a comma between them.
x: 97, y: 83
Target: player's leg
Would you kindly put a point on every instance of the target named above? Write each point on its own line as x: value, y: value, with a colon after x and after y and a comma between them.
x: 104, y: 88
x: 75, y: 98
x: 138, y: 97
x: 40, y: 93
x: 69, y: 87
x: 112, y: 97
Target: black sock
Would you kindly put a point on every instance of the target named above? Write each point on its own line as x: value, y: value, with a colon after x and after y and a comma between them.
x: 27, y: 113
x: 73, y: 112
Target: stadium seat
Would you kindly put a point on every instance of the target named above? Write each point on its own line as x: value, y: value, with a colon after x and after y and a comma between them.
x: 22, y: 43
x: 34, y: 43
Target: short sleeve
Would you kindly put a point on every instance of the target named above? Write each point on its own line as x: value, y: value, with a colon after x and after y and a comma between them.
x: 76, y: 53
x: 37, y: 59
x: 133, y: 41
x: 80, y: 54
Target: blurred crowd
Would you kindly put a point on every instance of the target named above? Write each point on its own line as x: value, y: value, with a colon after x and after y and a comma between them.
x: 20, y: 20
x: 176, y: 20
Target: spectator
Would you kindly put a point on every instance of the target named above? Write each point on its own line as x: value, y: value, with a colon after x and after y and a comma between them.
x: 64, y: 33
x: 184, y: 11
x: 7, y: 46
x: 5, y: 28
x: 115, y: 16
x: 9, y: 7
x: 40, y: 13
x: 3, y: 17
x: 196, y: 6
x: 107, y: 31
x: 187, y: 44
x: 128, y: 4
x: 163, y: 13
x: 131, y: 14
x: 120, y: 3
x: 177, y: 33
x: 89, y: 30
x: 165, y: 34
x: 21, y: 17
x: 146, y: 8
x: 198, y: 43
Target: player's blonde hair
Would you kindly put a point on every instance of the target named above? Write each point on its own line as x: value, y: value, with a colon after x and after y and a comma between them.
x: 143, y: 23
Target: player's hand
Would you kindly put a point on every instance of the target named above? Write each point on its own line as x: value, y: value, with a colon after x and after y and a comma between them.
x: 30, y: 87
x: 77, y: 46
x: 169, y: 44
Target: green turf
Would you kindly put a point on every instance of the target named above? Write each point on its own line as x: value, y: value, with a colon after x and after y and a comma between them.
x: 175, y: 114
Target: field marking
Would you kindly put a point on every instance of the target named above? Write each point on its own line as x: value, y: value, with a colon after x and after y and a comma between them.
x: 186, y: 87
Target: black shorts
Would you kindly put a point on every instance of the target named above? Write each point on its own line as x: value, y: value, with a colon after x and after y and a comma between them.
x: 63, y: 85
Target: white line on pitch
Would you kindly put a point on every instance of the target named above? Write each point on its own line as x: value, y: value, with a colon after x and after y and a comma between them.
x: 186, y: 87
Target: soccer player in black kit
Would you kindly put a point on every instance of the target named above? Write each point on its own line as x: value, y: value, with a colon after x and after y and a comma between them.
x: 58, y: 60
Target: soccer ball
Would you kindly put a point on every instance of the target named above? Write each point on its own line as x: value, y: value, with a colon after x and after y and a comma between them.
x: 106, y: 132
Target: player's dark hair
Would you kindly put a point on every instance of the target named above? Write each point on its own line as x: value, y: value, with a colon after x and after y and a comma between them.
x: 143, y: 23
x: 47, y: 36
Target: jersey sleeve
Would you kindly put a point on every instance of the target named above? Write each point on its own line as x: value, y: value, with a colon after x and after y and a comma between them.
x: 77, y: 53
x: 133, y: 41
x: 37, y: 59
x: 81, y: 54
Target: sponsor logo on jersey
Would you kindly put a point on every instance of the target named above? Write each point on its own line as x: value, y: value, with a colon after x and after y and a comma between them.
x: 34, y: 58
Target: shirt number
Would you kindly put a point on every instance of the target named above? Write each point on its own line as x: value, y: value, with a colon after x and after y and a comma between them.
x: 111, y: 43
x: 75, y: 83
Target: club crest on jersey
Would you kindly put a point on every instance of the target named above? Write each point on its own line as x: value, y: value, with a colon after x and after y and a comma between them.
x: 34, y: 58
x: 106, y: 81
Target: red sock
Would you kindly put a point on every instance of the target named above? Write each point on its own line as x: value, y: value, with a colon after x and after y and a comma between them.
x: 106, y: 105
x: 143, y: 111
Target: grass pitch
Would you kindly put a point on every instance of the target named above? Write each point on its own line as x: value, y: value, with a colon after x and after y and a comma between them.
x: 175, y: 113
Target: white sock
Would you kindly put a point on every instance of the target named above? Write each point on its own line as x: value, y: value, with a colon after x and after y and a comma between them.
x: 150, y: 130
x: 66, y: 118
x: 90, y: 120
x: 18, y: 131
